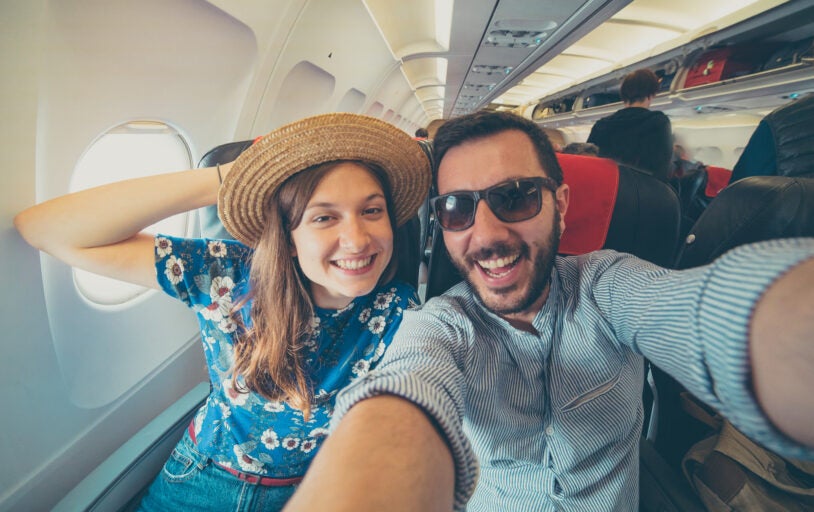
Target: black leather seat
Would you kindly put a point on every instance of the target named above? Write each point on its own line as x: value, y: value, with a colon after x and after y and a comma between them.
x: 750, y: 210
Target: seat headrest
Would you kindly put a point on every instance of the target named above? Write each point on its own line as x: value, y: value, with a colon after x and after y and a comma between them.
x: 594, y: 183
x: 224, y: 153
x: 750, y: 210
x: 717, y: 180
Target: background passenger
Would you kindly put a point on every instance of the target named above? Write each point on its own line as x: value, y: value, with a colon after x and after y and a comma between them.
x: 421, y: 133
x: 302, y: 304
x: 782, y: 144
x: 635, y: 135
x: 581, y: 148
x: 555, y: 137
x: 433, y: 127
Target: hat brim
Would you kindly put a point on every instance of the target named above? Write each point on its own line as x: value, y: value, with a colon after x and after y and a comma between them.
x: 292, y: 148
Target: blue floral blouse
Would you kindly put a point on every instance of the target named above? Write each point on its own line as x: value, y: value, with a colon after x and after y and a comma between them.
x: 244, y: 430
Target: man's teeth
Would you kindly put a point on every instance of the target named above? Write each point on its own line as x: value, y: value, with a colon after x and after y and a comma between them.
x: 499, y: 262
x: 354, y: 264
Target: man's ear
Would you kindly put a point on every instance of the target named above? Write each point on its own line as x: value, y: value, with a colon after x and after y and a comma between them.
x: 561, y: 197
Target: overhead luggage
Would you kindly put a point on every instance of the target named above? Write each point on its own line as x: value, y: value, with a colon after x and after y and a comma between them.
x: 791, y: 53
x: 726, y: 62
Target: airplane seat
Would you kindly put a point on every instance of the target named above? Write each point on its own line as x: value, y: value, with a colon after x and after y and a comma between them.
x: 211, y: 226
x: 750, y: 210
x: 695, y: 189
x: 409, y: 236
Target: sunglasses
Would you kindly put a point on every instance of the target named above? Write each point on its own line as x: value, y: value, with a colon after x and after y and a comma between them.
x: 510, y: 201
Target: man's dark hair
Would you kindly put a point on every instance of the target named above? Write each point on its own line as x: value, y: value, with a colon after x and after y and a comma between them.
x: 639, y: 85
x: 422, y: 133
x: 485, y: 123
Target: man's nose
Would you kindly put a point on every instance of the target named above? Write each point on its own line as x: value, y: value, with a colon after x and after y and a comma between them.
x: 486, y: 226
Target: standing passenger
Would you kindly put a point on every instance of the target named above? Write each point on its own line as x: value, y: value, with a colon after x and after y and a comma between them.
x: 302, y: 304
x: 635, y: 135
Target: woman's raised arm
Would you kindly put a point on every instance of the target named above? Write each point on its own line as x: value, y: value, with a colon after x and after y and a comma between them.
x: 99, y: 229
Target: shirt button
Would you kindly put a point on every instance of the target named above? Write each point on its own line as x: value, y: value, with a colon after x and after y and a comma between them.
x: 549, y: 430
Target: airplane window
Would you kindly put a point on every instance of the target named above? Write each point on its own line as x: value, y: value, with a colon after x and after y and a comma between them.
x: 352, y: 101
x: 306, y: 89
x: 375, y: 109
x: 134, y: 149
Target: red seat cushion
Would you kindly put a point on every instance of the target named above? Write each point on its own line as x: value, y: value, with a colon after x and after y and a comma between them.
x: 717, y: 180
x: 593, y: 184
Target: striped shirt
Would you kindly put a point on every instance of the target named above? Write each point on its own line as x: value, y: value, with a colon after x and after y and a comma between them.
x: 552, y: 420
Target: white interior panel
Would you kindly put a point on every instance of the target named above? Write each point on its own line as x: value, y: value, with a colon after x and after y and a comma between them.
x: 305, y: 92
x: 340, y: 38
x: 352, y: 101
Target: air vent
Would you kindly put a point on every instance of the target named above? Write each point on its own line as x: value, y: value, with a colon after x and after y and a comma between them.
x: 713, y: 109
x: 515, y: 38
x: 491, y: 70
x: 479, y: 87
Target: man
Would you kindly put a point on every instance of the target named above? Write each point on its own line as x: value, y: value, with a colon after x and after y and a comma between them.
x: 635, y: 135
x: 536, y: 360
x: 781, y: 143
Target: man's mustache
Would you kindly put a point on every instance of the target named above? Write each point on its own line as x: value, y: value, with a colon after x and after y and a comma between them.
x: 498, y: 250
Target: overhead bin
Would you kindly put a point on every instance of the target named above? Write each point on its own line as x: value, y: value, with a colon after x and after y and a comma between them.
x: 772, y: 60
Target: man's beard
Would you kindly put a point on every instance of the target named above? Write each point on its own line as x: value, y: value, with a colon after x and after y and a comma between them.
x: 537, y: 282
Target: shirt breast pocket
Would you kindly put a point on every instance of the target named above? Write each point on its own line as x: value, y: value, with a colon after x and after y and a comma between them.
x: 600, y: 393
x: 594, y: 393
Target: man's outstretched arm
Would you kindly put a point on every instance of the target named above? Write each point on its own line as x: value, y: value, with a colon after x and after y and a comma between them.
x: 781, y: 344
x: 386, y: 454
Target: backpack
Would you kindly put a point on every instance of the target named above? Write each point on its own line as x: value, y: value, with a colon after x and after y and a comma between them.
x: 732, y: 473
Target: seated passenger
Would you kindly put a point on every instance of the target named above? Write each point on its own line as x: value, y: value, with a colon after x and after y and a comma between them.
x: 555, y: 137
x: 635, y: 135
x: 581, y: 148
x: 781, y: 144
x: 299, y: 306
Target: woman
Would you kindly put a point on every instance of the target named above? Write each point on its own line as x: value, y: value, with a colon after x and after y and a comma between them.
x: 291, y: 312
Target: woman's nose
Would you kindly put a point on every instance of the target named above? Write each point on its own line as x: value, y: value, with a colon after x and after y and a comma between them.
x: 354, y: 236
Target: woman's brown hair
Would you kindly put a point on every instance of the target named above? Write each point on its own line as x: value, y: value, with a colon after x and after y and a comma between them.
x: 270, y: 355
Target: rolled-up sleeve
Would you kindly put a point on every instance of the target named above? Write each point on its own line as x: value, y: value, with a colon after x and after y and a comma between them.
x: 425, y: 365
x: 694, y: 324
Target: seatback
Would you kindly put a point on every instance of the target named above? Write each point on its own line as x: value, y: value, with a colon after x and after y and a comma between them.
x: 696, y: 188
x: 211, y: 226
x: 611, y: 207
x: 750, y: 210
x: 408, y: 237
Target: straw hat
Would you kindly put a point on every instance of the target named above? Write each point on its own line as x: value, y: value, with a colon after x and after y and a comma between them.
x: 265, y: 165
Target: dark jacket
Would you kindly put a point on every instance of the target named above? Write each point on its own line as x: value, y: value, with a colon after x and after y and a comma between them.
x: 637, y: 137
x: 782, y: 144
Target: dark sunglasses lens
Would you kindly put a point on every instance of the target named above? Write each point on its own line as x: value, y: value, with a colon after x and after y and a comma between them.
x: 515, y: 202
x: 455, y: 211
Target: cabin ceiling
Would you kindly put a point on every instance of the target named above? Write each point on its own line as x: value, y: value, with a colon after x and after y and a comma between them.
x: 465, y: 55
